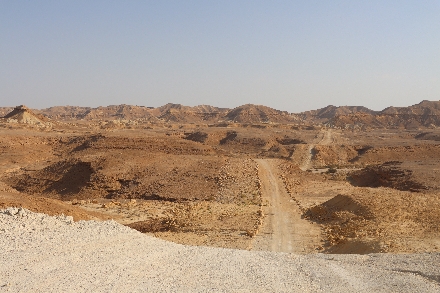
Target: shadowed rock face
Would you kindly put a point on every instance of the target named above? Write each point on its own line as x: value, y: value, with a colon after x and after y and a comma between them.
x: 62, y: 178
x: 231, y: 135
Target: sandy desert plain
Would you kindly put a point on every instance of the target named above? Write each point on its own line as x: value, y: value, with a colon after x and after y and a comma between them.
x: 337, y: 180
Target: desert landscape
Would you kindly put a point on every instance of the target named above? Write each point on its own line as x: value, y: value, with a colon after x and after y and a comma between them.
x: 332, y: 181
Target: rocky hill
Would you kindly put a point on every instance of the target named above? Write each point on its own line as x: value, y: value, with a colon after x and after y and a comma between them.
x: 424, y: 108
x: 250, y: 113
x: 64, y: 112
x: 179, y: 113
x: 22, y: 114
x: 125, y: 112
x: 331, y: 111
x: 426, y: 114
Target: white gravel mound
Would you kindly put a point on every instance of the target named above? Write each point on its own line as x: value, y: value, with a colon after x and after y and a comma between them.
x: 39, y: 253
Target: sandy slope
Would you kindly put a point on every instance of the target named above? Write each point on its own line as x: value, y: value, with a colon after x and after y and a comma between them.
x: 39, y: 253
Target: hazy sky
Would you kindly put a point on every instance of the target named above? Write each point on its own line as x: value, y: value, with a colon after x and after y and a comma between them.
x: 289, y: 55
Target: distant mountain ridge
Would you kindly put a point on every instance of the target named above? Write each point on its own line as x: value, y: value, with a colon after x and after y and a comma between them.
x: 423, y: 114
x: 169, y: 113
x: 423, y: 108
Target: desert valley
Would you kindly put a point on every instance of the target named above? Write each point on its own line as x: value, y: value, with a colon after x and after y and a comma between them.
x: 337, y: 180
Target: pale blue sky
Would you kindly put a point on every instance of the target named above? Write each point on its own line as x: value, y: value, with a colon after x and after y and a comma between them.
x: 289, y: 55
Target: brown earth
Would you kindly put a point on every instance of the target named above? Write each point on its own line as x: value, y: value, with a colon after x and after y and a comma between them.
x: 243, y: 182
x: 282, y: 228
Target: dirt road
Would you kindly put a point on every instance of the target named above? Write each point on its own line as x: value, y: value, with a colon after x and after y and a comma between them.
x: 324, y: 138
x: 282, y: 229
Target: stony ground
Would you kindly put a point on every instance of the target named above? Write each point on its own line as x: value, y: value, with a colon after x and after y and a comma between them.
x: 54, y: 254
x: 200, y: 185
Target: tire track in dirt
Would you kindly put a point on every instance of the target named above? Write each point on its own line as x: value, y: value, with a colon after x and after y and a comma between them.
x: 325, y: 138
x: 283, y: 229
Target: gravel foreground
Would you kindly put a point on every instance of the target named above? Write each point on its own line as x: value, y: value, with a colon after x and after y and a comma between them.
x: 40, y: 253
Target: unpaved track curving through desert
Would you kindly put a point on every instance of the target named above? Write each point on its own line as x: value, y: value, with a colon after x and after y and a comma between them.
x: 283, y: 229
x: 324, y: 138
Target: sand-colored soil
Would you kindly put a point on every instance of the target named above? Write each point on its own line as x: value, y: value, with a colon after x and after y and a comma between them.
x: 283, y: 229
